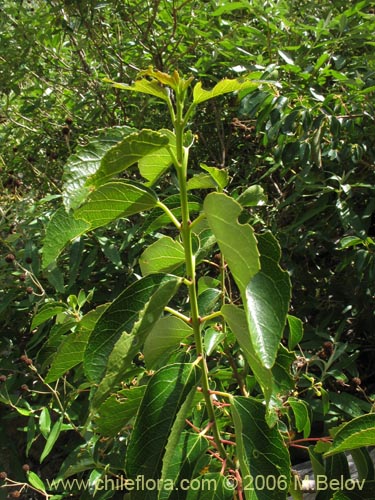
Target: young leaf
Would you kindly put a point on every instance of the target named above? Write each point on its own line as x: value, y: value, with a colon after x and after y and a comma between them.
x: 35, y: 481
x: 121, y: 316
x: 301, y: 415
x: 62, y: 229
x: 144, y: 86
x: 45, y: 422
x: 127, y: 152
x: 224, y: 87
x: 357, y: 433
x: 165, y: 255
x: 164, y: 396
x: 167, y: 333
x: 261, y: 450
x: 47, y: 312
x: 295, y: 331
x: 113, y: 200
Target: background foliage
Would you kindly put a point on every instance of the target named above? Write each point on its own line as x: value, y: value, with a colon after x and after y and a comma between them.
x: 309, y: 145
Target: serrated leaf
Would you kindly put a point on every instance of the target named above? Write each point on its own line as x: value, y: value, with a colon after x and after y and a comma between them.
x: 113, y: 200
x: 121, y: 315
x: 163, y: 398
x: 243, y: 258
x: 143, y: 307
x: 260, y: 449
x: 117, y: 410
x: 127, y: 152
x: 266, y: 301
x: 236, y: 319
x: 165, y: 255
x: 167, y: 333
x: 62, y: 229
x: 357, y: 433
x: 224, y: 86
x: 85, y: 162
x: 189, y: 449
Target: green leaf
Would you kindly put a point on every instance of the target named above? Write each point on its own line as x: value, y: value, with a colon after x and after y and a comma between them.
x: 71, y: 350
x: 189, y: 449
x: 45, y: 422
x: 236, y: 319
x: 144, y: 86
x: 212, y: 338
x: 261, y: 450
x: 219, y: 175
x: 201, y: 181
x: 167, y: 333
x: 165, y: 255
x: 121, y: 316
x: 153, y: 165
x: 295, y: 331
x: 62, y: 229
x: 211, y: 486
x: 129, y: 344
x: 224, y: 87
x: 85, y: 162
x: 164, y: 396
x: 357, y: 433
x: 267, y: 299
x: 253, y: 196
x: 127, y: 152
x: 35, y: 481
x: 117, y: 410
x: 113, y: 200
x: 243, y: 258
x: 364, y: 464
x: 52, y: 438
x: 47, y: 312
x: 301, y: 415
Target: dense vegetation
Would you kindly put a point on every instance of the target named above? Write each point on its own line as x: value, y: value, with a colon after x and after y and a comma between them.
x: 290, y: 140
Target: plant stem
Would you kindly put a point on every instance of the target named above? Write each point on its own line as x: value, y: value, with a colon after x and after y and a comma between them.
x: 186, y: 235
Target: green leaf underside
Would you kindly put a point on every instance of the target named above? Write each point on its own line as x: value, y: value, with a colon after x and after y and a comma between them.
x: 260, y: 449
x: 165, y: 255
x: 201, y: 181
x: 127, y: 152
x: 145, y: 86
x: 118, y: 409
x: 71, y: 350
x: 164, y: 396
x: 120, y: 317
x: 62, y: 229
x: 223, y: 87
x: 236, y: 319
x: 219, y: 175
x: 153, y: 165
x: 243, y: 258
x: 357, y: 433
x: 267, y: 299
x: 113, y: 200
x: 252, y: 196
x: 189, y: 449
x: 85, y: 163
x: 129, y: 344
x: 167, y: 333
